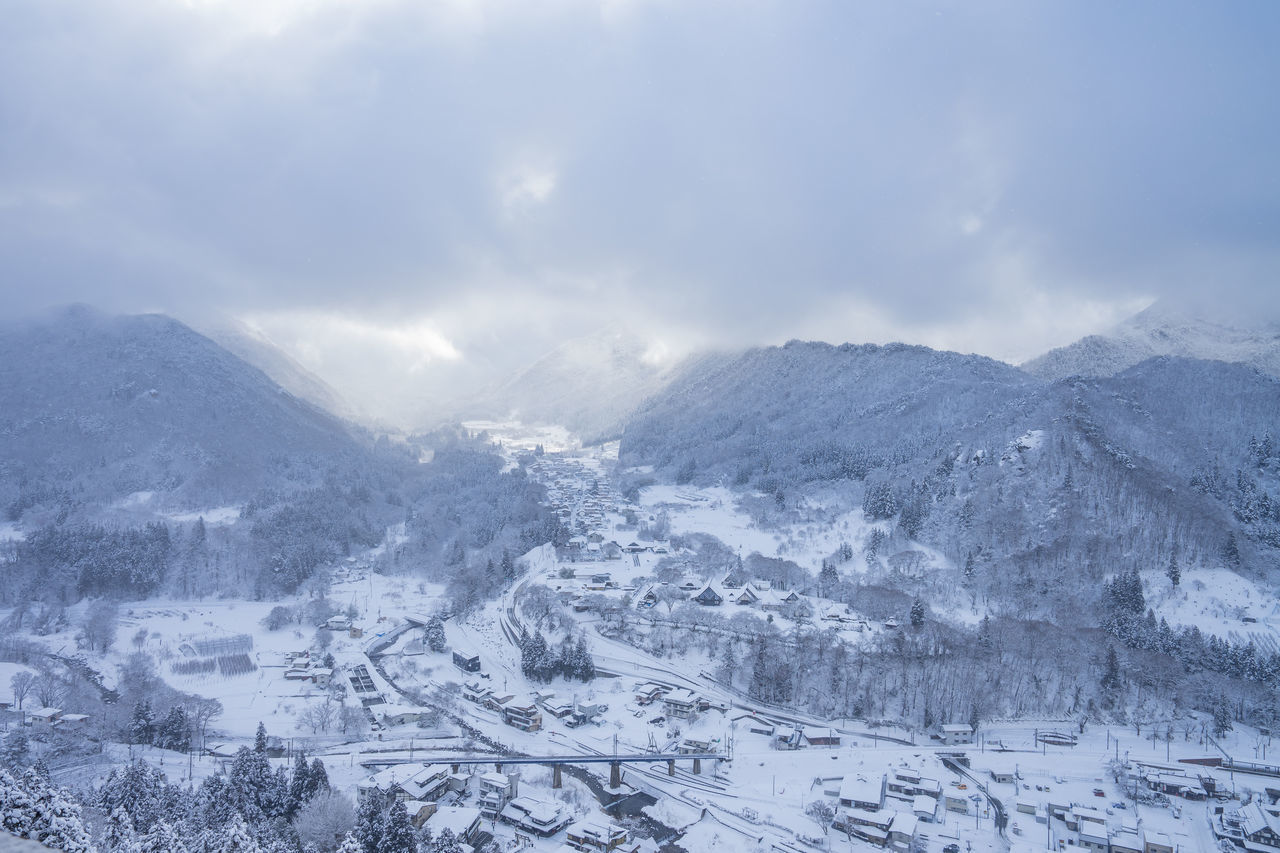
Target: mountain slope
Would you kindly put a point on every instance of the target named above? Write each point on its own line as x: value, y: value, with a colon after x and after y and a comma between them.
x: 1043, y: 488
x: 1157, y: 331
x: 99, y: 407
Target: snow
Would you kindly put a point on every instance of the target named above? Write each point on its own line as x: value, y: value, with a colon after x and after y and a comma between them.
x: 217, y: 516
x: 1215, y: 600
x: 10, y: 532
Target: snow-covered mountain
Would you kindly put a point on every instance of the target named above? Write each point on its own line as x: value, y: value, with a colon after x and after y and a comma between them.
x: 98, y: 407
x: 588, y: 384
x: 1163, y: 330
x: 258, y: 350
x: 1038, y: 483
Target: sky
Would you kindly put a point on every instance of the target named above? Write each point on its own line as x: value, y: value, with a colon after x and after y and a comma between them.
x: 416, y: 198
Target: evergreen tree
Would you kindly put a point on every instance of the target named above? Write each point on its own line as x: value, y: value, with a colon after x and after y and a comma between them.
x: 299, y: 785
x: 371, y: 819
x: 1173, y: 571
x: 318, y: 780
x: 118, y: 834
x: 1111, y: 674
x: 260, y: 739
x: 162, y: 839
x: 446, y: 842
x: 1221, y: 716
x: 434, y: 635
x: 1231, y: 551
x: 350, y: 844
x: 175, y: 732
x: 397, y: 832
x: 584, y: 664
x: 236, y: 838
x: 917, y: 614
x: 142, y: 725
x: 508, y: 566
x: 970, y: 576
x: 828, y: 578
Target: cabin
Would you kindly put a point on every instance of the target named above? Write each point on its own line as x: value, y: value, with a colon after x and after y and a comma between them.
x: 407, y: 782
x: 466, y: 661
x: 44, y: 716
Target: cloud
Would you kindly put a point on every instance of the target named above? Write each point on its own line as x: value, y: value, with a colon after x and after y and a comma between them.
x: 503, y: 175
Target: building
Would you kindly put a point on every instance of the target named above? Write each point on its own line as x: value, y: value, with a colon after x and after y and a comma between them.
x: 407, y: 782
x: 596, y: 835
x: 496, y: 790
x: 44, y: 716
x: 869, y: 826
x: 466, y: 661
x: 814, y: 736
x: 539, y: 817
x: 956, y: 733
x: 522, y: 713
x: 902, y: 832
x: 1255, y: 827
x: 857, y: 792
x: 708, y: 597
x: 463, y: 821
x: 755, y: 724
x: 925, y: 808
x: 680, y: 704
x: 1158, y: 842
x: 650, y: 692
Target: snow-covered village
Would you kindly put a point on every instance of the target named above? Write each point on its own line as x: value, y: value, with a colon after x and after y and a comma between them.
x: 639, y: 426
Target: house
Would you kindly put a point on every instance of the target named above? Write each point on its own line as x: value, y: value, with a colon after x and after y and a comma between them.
x: 925, y: 808
x: 708, y: 597
x: 400, y: 715
x: 1126, y: 841
x: 680, y: 704
x: 907, y: 783
x: 869, y: 826
x: 44, y: 716
x: 321, y: 676
x: 466, y: 661
x: 496, y: 790
x: 596, y: 835
x: 1093, y: 838
x: 419, y: 811
x: 689, y: 746
x: 338, y: 623
x: 647, y: 693
x: 957, y: 733
x: 522, y: 713
x: 755, y: 724
x: 814, y: 736
x: 956, y: 803
x: 902, y: 832
x: 557, y: 708
x: 463, y: 821
x: 72, y: 721
x: 407, y: 782
x: 477, y: 692
x: 647, y: 597
x: 539, y: 817
x: 744, y: 597
x: 857, y: 792
x: 1158, y: 842
x: 778, y: 600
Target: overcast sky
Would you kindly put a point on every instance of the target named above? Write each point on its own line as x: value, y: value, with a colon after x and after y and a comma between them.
x: 410, y: 194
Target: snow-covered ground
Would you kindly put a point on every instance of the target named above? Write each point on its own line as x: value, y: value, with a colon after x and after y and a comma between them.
x: 1217, y: 601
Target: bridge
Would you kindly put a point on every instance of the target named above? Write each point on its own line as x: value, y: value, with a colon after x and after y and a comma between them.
x: 615, y: 762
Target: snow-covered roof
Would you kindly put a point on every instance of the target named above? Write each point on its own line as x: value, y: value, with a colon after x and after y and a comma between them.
x: 857, y: 790
x: 458, y: 819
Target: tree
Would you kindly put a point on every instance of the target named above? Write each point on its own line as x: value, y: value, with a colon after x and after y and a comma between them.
x: 14, y: 748
x: 917, y: 614
x: 1173, y: 571
x: 1231, y: 551
x: 260, y: 738
x: 325, y: 820
x: 119, y: 836
x: 236, y: 838
x: 350, y: 844
x: 434, y: 635
x: 162, y: 839
x: 371, y: 818
x: 21, y: 685
x: 175, y: 732
x: 1111, y: 673
x: 446, y: 842
x: 142, y: 724
x: 828, y: 578
x: 98, y: 631
x: 1221, y: 716
x: 397, y: 832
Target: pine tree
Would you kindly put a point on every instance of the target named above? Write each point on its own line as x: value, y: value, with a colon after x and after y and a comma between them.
x: 119, y: 836
x: 1173, y: 571
x: 299, y: 785
x: 236, y: 838
x: 1231, y: 551
x: 1111, y: 674
x: 142, y: 724
x: 508, y: 566
x: 318, y: 780
x: 436, y: 640
x: 828, y: 578
x: 970, y: 571
x: 917, y: 614
x: 162, y: 839
x: 446, y: 842
x: 175, y: 732
x: 260, y: 739
x: 371, y: 818
x: 350, y: 844
x: 397, y: 833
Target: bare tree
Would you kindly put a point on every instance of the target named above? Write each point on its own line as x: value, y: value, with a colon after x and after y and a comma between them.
x: 21, y: 684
